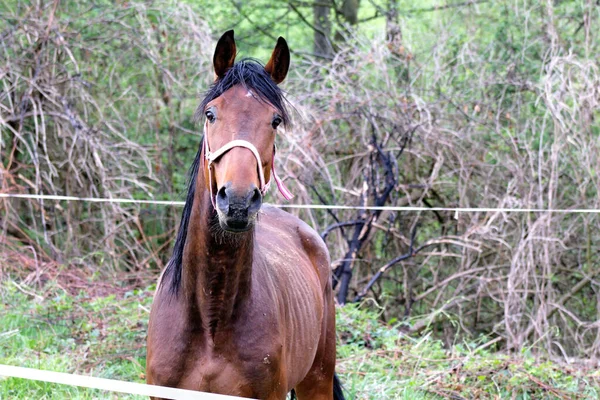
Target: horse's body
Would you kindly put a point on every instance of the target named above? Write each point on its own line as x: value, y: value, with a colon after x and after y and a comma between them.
x: 249, y: 313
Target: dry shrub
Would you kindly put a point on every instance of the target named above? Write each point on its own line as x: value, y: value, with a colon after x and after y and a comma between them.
x: 91, y: 102
x: 500, y: 129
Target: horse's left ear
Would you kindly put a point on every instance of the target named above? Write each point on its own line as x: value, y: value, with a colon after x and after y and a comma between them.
x: 279, y: 63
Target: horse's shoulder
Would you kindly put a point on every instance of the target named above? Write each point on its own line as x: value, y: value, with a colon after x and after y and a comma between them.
x: 310, y: 241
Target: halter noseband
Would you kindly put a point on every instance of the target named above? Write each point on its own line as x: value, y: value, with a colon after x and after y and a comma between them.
x: 211, y: 157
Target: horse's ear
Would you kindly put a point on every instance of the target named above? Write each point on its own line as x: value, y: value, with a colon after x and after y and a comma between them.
x: 279, y: 63
x: 224, y: 54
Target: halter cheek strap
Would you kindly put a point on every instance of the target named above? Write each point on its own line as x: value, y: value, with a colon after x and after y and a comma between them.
x: 211, y: 157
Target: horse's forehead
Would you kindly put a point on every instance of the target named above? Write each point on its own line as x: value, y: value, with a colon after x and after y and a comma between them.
x: 244, y: 98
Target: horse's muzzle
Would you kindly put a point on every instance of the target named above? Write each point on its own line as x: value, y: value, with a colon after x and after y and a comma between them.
x: 237, y: 212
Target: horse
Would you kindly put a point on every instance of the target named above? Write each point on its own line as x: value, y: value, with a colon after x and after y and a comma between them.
x: 245, y: 304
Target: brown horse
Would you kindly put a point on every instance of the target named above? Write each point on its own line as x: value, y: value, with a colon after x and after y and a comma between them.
x: 245, y: 305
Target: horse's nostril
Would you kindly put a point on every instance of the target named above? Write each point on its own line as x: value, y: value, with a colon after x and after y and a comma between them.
x: 223, y: 200
x: 255, y: 201
x: 257, y: 196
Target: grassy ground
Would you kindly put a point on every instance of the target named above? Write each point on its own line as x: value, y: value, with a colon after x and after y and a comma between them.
x: 104, y: 336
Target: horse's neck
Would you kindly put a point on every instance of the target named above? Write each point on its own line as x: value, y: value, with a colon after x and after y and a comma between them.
x: 217, y: 266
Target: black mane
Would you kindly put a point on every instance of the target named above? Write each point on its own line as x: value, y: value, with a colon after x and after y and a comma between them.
x: 174, y: 265
x: 252, y: 75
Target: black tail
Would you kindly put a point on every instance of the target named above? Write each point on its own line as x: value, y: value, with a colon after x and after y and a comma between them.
x: 338, y: 393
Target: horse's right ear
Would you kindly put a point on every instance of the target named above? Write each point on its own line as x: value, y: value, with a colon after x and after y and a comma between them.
x: 224, y: 54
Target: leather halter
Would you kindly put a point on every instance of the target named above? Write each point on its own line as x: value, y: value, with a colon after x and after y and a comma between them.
x: 211, y: 157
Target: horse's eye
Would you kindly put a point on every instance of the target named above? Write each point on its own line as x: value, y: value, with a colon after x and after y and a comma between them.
x: 276, y: 121
x: 210, y: 116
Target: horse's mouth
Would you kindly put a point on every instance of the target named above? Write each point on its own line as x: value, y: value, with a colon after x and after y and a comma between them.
x: 236, y: 225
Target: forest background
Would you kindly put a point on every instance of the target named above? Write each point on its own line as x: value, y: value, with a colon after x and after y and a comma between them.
x: 468, y: 104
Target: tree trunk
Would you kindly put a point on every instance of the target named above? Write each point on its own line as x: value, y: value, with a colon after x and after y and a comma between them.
x: 349, y: 14
x: 392, y: 28
x: 350, y: 11
x: 322, y: 45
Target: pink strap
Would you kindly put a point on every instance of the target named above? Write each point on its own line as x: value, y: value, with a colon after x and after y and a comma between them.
x: 280, y: 185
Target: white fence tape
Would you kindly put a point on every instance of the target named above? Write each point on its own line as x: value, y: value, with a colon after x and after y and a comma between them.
x: 310, y: 206
x: 108, y: 384
x: 89, y: 199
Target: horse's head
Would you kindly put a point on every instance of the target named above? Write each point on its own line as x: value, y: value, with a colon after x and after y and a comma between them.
x: 243, y: 109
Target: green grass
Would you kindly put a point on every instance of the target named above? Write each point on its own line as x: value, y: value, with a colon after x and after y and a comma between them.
x: 378, y: 362
x: 105, y: 337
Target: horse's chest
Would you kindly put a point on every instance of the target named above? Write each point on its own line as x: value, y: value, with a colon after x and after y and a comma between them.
x: 247, y: 365
x: 254, y: 377
x: 218, y: 375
